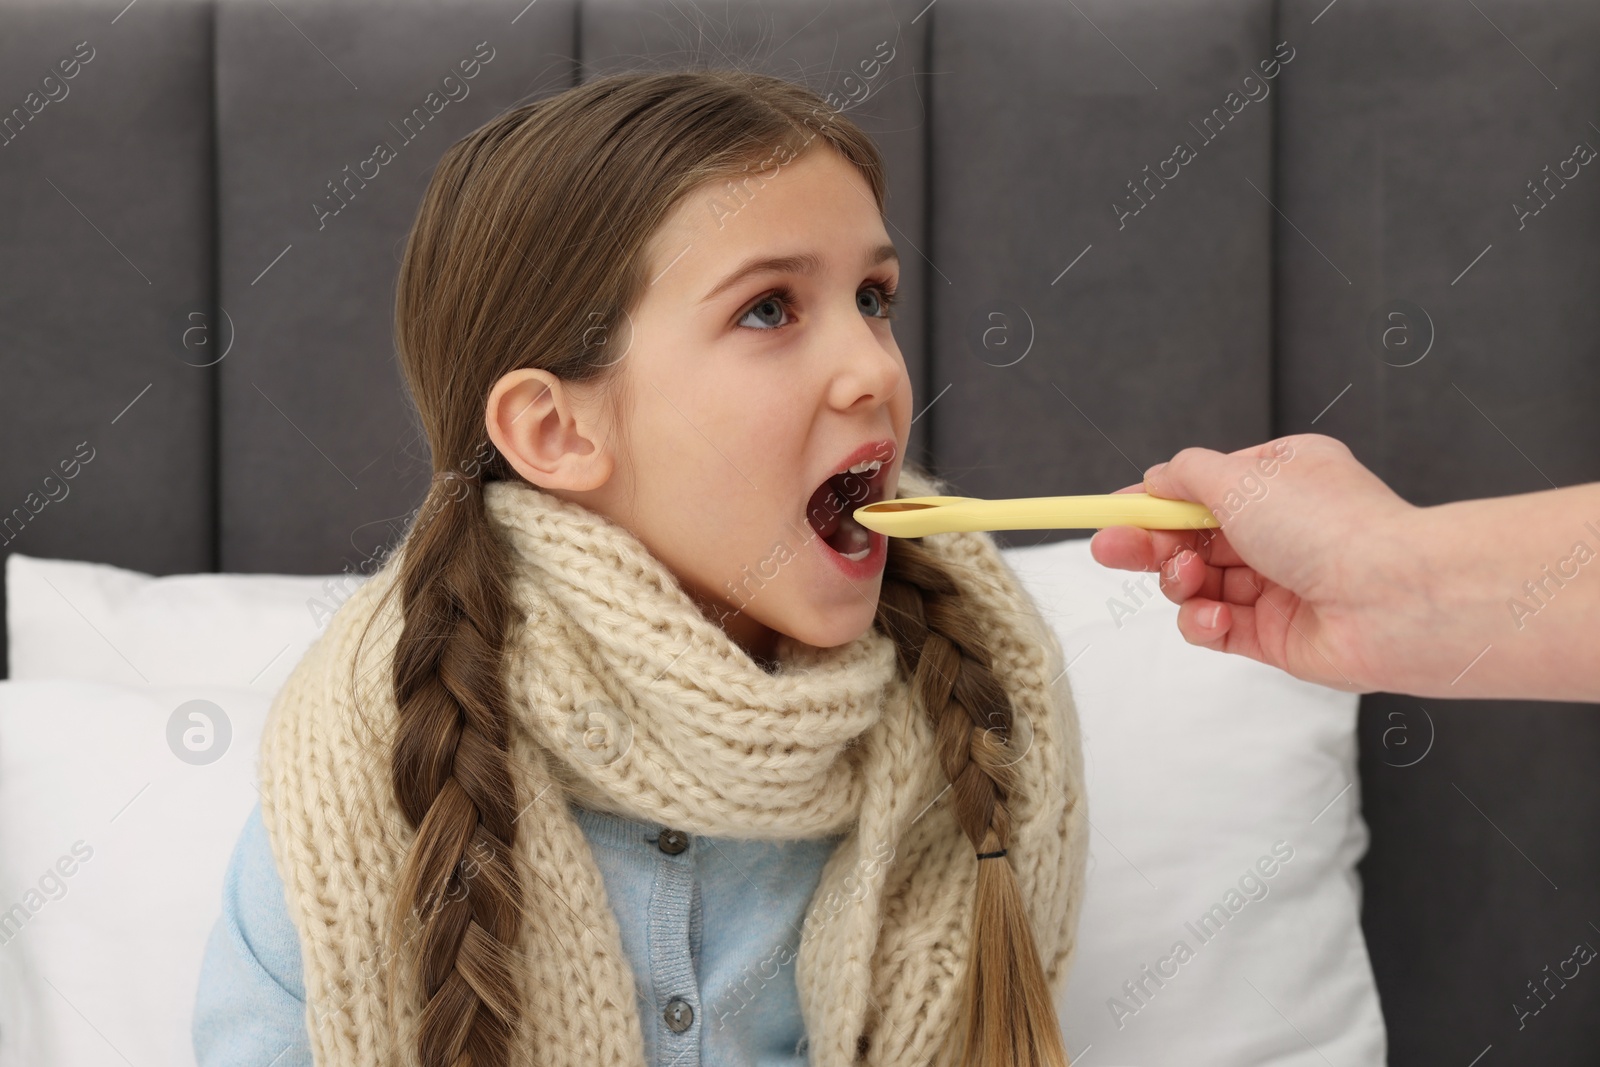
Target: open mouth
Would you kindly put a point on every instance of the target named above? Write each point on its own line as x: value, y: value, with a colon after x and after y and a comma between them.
x: 830, y: 511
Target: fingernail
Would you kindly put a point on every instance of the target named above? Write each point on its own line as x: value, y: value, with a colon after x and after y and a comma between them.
x: 1210, y: 619
x: 1151, y: 472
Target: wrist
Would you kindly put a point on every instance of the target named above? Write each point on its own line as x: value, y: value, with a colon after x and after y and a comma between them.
x: 1470, y: 563
x: 1404, y: 600
x: 1521, y: 593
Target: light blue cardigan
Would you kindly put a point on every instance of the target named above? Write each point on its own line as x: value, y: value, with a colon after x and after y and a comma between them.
x: 708, y: 930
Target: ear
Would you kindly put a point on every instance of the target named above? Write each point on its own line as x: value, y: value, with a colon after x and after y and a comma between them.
x: 551, y: 432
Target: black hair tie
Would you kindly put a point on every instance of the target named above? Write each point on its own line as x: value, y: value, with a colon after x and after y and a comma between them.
x: 991, y: 855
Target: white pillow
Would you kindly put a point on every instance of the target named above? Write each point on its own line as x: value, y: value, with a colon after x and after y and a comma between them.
x: 72, y: 619
x: 112, y: 852
x: 1197, y: 764
x: 1199, y: 767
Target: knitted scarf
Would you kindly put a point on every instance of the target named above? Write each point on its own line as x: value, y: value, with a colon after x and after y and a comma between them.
x: 629, y: 699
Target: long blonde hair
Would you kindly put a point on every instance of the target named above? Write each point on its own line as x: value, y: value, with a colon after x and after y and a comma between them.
x: 529, y: 241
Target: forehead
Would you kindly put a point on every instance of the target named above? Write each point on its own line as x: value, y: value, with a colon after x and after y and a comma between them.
x: 817, y: 202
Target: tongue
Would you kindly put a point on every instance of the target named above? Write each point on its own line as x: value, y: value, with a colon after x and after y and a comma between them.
x: 851, y: 537
x: 830, y: 513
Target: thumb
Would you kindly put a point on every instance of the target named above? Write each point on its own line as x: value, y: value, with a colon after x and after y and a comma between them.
x: 1199, y: 475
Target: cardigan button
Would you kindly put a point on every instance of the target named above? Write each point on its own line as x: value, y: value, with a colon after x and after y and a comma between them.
x: 679, y: 1015
x: 672, y: 842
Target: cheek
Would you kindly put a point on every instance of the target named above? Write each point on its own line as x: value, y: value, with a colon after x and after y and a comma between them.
x: 768, y: 421
x: 901, y: 403
x: 904, y: 396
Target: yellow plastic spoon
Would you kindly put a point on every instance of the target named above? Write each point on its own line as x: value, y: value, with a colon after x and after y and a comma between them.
x: 917, y: 516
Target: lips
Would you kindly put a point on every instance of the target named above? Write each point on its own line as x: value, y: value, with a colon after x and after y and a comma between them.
x: 832, y: 504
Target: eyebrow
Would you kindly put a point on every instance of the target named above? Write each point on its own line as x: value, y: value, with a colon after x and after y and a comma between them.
x: 799, y: 263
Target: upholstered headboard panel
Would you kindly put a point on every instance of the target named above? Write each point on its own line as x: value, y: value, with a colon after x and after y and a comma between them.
x: 197, y: 296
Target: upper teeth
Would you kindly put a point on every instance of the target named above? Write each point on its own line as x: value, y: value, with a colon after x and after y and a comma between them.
x: 863, y: 467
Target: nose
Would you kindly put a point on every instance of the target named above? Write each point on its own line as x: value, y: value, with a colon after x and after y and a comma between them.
x: 869, y: 368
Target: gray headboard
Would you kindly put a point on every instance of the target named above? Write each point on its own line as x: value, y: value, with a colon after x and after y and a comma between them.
x: 196, y: 286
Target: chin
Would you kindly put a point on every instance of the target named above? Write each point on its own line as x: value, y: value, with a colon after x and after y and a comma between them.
x: 838, y: 627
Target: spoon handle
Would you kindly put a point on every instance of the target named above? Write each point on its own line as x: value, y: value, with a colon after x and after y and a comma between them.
x: 920, y: 516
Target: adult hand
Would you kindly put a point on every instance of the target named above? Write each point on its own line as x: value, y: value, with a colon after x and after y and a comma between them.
x: 1310, y: 571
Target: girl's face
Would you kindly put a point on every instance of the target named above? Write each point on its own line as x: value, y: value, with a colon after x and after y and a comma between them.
x: 746, y: 385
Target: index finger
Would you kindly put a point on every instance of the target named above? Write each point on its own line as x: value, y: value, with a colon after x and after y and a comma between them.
x: 1136, y: 548
x: 1155, y: 547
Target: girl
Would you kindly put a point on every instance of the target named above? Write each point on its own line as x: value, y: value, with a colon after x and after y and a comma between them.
x: 639, y: 750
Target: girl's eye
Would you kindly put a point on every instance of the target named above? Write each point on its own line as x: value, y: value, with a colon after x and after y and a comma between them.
x: 879, y: 304
x: 770, y: 306
x: 884, y: 301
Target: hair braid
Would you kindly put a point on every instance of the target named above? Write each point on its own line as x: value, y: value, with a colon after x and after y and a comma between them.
x: 450, y: 770
x: 1007, y: 1017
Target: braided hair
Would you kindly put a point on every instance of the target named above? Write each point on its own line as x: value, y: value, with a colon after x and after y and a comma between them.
x: 1007, y: 1015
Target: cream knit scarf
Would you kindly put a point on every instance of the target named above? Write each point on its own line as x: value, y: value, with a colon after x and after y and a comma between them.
x: 630, y: 700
